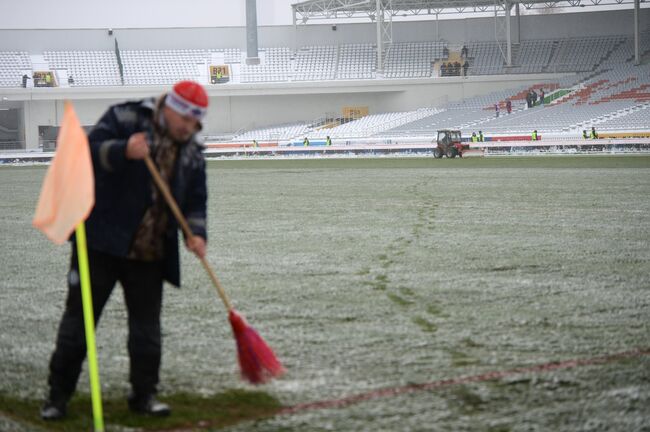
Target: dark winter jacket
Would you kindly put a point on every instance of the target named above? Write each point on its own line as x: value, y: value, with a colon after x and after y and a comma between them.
x: 123, y: 187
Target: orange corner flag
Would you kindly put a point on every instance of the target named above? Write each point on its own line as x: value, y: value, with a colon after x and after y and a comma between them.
x: 68, y: 192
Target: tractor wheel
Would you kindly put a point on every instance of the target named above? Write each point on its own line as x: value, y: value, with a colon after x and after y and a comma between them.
x: 451, y: 152
x: 437, y: 153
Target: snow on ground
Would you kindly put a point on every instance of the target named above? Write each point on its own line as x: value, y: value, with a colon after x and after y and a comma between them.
x: 366, y: 277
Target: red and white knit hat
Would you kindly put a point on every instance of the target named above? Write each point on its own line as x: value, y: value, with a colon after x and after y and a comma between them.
x: 188, y: 98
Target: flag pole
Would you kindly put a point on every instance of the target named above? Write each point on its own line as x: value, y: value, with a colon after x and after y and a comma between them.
x: 89, y: 321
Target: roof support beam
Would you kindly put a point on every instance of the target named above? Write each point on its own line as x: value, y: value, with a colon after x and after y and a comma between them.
x: 379, y: 15
x: 637, y: 57
x: 252, y: 56
x: 508, y: 36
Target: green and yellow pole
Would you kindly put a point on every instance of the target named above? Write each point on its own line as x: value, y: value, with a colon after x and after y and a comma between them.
x: 89, y: 321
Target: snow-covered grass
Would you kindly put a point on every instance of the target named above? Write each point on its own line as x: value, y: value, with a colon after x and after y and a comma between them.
x: 365, y: 274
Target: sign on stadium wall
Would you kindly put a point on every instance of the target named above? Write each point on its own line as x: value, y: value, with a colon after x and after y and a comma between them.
x: 219, y: 74
x: 44, y: 79
x: 354, y: 112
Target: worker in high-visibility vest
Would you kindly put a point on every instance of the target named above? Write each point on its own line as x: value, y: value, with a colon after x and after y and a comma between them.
x: 328, y: 140
x: 474, y: 137
x: 593, y: 134
x: 305, y: 142
x: 480, y: 136
x: 533, y: 136
x: 584, y: 134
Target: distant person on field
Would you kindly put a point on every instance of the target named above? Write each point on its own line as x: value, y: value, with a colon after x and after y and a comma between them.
x: 328, y: 141
x: 132, y: 237
x: 70, y: 80
x: 480, y: 136
x: 474, y: 137
x: 533, y: 136
x: 496, y: 110
x: 593, y: 134
x: 305, y: 142
x: 25, y: 78
x: 465, y: 68
x: 508, y: 106
x: 584, y: 134
x: 541, y: 97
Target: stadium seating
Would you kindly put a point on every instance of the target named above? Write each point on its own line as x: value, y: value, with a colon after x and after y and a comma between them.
x: 533, y: 56
x: 357, y: 61
x: 328, y: 62
x: 582, y: 54
x: 374, y: 124
x: 12, y: 63
x: 87, y: 68
x: 150, y: 67
x: 485, y: 58
x: 316, y: 63
x: 275, y: 65
x: 274, y: 133
x: 412, y: 59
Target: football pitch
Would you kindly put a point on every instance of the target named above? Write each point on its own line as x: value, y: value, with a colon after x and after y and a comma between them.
x: 485, y: 294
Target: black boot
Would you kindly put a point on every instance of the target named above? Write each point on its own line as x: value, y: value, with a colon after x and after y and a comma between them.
x: 53, y: 409
x: 148, y: 404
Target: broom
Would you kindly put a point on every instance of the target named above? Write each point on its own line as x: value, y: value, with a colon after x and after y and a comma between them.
x: 257, y: 362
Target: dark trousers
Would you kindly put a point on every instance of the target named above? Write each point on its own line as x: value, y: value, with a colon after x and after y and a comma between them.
x: 142, y: 286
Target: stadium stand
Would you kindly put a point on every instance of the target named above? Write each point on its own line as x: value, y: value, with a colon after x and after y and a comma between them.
x: 617, y: 96
x: 231, y: 55
x: 533, y: 56
x: 412, y: 59
x: 316, y: 63
x: 485, y: 58
x: 582, y: 54
x: 275, y: 133
x: 150, y: 67
x: 357, y: 61
x: 275, y: 66
x: 88, y: 68
x: 327, y: 62
x: 12, y: 65
x: 374, y: 123
x: 606, y: 89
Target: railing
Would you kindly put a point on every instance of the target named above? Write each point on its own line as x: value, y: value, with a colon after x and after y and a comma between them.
x: 12, y: 145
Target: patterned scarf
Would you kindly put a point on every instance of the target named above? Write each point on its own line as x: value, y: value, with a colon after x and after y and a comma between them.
x: 149, y: 240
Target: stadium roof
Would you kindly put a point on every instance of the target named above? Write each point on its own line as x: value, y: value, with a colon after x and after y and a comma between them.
x: 332, y: 9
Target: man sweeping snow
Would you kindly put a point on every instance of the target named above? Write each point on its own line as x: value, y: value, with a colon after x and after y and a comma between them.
x: 132, y: 237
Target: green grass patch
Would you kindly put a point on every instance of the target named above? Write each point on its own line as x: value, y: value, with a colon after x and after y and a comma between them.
x: 189, y: 411
x: 469, y: 400
x: 571, y: 162
x: 459, y: 359
x: 425, y: 324
x: 399, y: 300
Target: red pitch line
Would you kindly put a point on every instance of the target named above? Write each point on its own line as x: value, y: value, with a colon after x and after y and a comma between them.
x: 411, y: 388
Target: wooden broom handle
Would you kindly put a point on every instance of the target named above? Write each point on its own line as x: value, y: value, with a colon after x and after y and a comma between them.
x: 171, y: 202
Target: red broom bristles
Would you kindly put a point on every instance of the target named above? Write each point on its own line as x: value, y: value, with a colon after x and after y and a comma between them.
x: 257, y: 361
